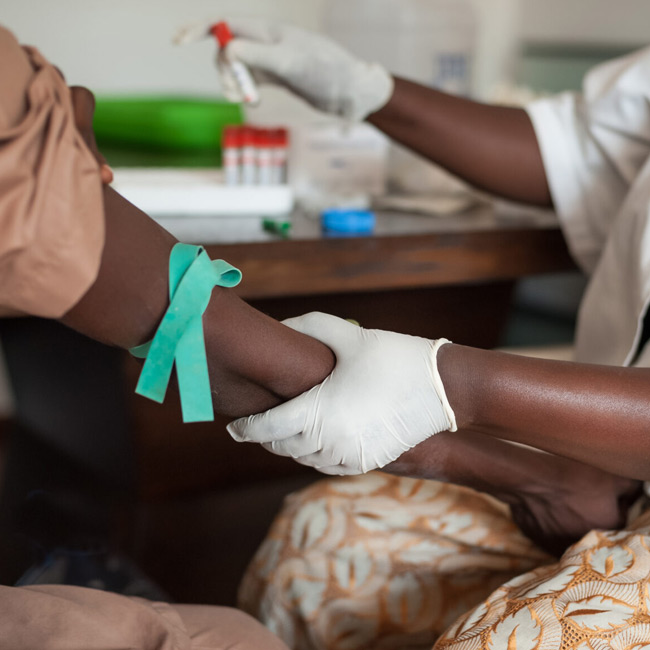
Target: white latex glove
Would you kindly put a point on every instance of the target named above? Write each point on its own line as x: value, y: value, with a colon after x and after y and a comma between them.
x: 310, y: 65
x: 384, y: 396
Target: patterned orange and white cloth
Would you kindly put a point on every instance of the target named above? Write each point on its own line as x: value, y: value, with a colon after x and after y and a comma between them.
x: 377, y: 561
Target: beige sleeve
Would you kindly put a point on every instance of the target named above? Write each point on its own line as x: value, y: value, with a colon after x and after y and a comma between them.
x: 51, y: 209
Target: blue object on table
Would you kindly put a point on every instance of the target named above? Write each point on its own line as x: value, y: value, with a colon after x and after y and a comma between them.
x: 347, y: 221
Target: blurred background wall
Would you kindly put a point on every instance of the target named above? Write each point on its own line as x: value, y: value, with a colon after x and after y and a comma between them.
x: 126, y: 46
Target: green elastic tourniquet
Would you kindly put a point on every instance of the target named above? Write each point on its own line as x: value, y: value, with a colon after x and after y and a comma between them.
x: 179, y: 339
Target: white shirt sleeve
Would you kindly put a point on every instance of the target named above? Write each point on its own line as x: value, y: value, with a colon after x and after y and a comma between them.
x: 593, y: 146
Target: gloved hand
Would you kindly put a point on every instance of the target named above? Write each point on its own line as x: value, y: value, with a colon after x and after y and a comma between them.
x: 312, y: 66
x: 384, y: 396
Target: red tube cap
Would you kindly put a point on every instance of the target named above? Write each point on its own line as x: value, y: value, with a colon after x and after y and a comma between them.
x: 232, y: 136
x: 221, y: 31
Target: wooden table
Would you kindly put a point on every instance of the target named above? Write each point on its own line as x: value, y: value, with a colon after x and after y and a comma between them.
x: 484, y: 244
x: 415, y: 274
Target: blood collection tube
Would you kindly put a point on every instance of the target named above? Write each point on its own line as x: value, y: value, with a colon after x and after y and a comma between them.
x: 248, y: 156
x: 232, y: 154
x: 264, y: 157
x: 280, y: 155
x: 238, y: 81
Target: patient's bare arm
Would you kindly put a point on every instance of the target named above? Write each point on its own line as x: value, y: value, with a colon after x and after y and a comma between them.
x: 255, y: 362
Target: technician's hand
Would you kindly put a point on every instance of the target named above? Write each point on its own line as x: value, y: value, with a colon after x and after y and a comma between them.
x: 310, y: 65
x: 384, y: 396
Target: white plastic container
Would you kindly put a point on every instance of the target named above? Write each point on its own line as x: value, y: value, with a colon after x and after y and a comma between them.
x: 429, y: 41
x: 432, y: 42
x: 334, y: 164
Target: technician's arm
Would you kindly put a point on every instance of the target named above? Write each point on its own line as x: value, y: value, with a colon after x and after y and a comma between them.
x: 390, y: 393
x: 599, y: 415
x: 492, y: 147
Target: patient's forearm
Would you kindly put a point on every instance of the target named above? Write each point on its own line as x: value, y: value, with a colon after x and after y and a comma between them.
x: 130, y: 294
x: 255, y: 362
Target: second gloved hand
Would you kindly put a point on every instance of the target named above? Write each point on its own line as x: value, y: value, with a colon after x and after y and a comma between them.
x: 384, y: 397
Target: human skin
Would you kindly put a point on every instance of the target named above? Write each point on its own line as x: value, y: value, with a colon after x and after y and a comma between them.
x: 593, y: 420
x: 492, y: 147
x: 598, y: 415
x: 554, y: 500
x: 255, y: 362
x: 531, y: 401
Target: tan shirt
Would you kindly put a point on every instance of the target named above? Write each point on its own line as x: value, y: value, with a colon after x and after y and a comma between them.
x: 51, y: 209
x: 51, y: 239
x: 62, y: 617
